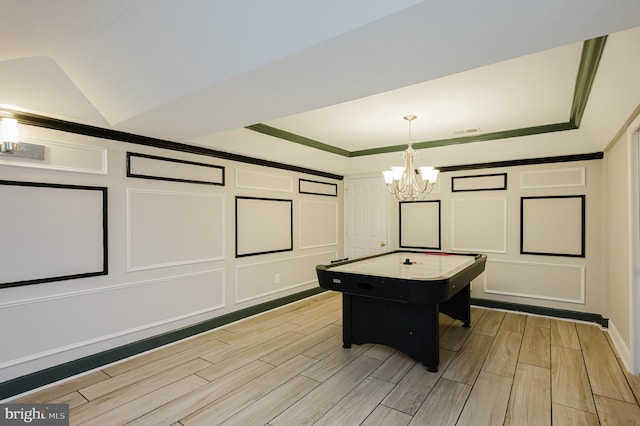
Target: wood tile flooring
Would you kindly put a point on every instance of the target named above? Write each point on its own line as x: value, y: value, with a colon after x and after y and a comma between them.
x: 288, y: 367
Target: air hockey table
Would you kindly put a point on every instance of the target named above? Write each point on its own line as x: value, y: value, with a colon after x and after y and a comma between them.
x: 395, y: 298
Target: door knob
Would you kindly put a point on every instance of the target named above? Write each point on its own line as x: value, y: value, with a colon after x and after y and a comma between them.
x: 382, y: 244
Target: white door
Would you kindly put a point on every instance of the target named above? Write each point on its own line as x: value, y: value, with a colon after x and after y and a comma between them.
x: 366, y: 216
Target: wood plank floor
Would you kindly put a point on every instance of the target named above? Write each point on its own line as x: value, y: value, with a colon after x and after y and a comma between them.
x: 288, y: 367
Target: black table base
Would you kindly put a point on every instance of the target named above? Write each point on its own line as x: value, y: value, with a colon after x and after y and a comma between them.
x: 408, y: 327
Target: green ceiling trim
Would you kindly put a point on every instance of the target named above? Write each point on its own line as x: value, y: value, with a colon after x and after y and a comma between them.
x: 589, y: 61
x: 292, y: 137
x: 514, y: 133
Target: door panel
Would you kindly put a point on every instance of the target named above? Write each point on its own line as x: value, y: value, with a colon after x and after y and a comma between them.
x: 366, y: 217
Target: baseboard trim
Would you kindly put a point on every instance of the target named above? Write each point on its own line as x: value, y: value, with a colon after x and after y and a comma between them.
x: 539, y: 310
x: 623, y: 351
x: 53, y: 374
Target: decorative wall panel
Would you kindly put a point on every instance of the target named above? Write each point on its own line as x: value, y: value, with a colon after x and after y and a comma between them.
x: 114, y: 313
x: 263, y: 225
x: 490, y: 182
x: 265, y: 278
x: 63, y: 156
x: 60, y: 231
x: 173, y: 228
x: 265, y: 181
x: 556, y: 178
x: 479, y: 224
x: 170, y: 169
x: 565, y: 283
x: 318, y: 224
x: 306, y: 186
x: 420, y: 224
x: 553, y: 226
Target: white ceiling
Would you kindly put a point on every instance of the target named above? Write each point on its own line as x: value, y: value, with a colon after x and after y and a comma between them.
x: 341, y: 72
x: 497, y: 97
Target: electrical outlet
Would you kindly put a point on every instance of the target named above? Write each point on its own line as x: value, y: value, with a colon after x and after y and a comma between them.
x: 277, y: 279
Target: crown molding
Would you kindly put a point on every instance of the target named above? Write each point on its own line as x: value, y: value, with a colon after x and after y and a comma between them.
x: 589, y: 61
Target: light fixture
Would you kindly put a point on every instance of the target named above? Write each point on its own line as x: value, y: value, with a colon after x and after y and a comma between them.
x: 402, y: 181
x: 10, y: 142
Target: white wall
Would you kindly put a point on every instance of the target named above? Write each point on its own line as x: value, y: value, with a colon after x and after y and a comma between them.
x: 156, y: 281
x: 489, y: 222
x: 623, y: 243
x: 618, y: 237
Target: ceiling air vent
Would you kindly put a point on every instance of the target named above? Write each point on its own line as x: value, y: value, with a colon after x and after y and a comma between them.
x: 467, y: 131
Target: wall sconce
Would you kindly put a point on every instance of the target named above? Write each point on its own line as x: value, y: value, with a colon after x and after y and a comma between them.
x: 10, y: 142
x: 9, y: 135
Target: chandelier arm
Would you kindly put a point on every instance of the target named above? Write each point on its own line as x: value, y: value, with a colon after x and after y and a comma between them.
x: 409, y: 188
x: 400, y: 185
x: 428, y: 186
x: 392, y: 188
x: 416, y: 185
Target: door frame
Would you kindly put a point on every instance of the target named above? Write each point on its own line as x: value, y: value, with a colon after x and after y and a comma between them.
x: 633, y: 137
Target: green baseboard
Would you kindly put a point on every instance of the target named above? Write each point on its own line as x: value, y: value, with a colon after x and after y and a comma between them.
x: 538, y: 310
x: 59, y: 372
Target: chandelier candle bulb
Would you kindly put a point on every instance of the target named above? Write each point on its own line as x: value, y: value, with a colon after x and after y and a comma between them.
x: 428, y: 173
x: 397, y: 172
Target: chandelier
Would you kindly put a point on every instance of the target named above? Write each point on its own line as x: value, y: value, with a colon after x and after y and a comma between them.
x: 402, y: 181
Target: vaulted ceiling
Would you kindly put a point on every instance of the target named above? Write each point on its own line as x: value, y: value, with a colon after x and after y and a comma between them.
x: 333, y: 75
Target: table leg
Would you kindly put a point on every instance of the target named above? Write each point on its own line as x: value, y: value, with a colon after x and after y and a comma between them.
x: 346, y: 320
x: 459, y: 306
x: 431, y: 354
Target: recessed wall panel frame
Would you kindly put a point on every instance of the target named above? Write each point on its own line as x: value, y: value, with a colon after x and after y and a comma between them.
x: 73, y: 217
x: 553, y: 225
x: 263, y: 225
x: 136, y: 161
x: 306, y: 186
x: 488, y: 182
x: 420, y: 224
